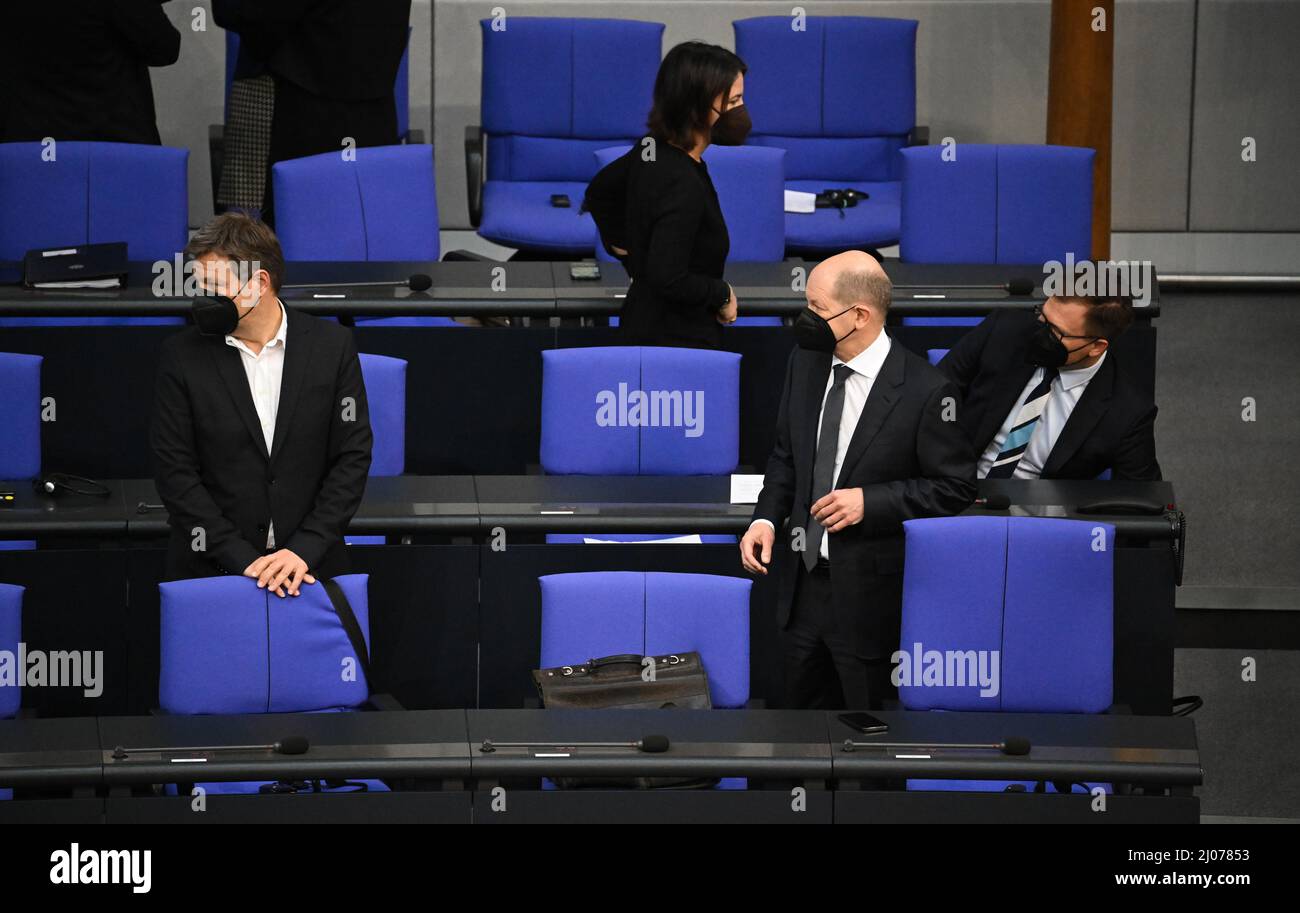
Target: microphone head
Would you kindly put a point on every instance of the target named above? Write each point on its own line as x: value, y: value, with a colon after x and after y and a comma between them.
x: 1020, y: 287
x: 997, y: 502
x: 655, y: 744
x: 1016, y: 746
x: 294, y: 744
x: 420, y: 282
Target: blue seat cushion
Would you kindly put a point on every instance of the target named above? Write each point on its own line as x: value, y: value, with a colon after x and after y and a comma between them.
x: 874, y: 222
x: 520, y: 214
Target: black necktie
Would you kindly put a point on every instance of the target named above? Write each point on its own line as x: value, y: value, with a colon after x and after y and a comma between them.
x: 824, y: 464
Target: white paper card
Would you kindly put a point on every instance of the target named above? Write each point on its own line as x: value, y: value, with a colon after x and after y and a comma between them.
x: 800, y: 201
x: 745, y: 488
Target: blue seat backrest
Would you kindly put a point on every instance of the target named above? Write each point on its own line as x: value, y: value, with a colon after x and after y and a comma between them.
x: 555, y: 90
x: 385, y: 380
x: 20, y: 416
x: 1027, y: 600
x: 599, y: 406
x: 380, y: 206
x: 973, y: 203
x: 229, y: 647
x: 11, y: 632
x: 72, y: 193
x: 604, y: 613
x: 839, y: 95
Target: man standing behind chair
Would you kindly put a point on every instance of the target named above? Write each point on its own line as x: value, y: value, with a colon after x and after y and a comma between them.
x: 79, y: 69
x: 866, y: 438
x: 1044, y: 397
x: 261, y: 433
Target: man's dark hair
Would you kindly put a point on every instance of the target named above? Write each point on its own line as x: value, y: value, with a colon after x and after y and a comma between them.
x: 691, y: 76
x: 1108, y: 316
x: 239, y: 237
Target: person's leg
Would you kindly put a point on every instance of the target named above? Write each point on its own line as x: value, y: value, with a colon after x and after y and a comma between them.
x: 810, y: 679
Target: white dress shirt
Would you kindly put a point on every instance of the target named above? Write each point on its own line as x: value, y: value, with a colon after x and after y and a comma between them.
x: 866, y: 367
x: 265, y: 370
x: 1066, y: 390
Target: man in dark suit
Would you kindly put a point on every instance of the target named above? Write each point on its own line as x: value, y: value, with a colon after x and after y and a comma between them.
x: 79, y: 69
x: 1044, y: 397
x: 261, y: 432
x: 866, y: 438
x: 334, y: 64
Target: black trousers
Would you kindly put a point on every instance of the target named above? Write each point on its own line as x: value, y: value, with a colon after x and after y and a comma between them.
x: 826, y: 666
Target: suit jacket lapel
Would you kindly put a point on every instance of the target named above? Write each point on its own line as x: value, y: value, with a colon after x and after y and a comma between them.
x: 297, y: 356
x: 819, y: 370
x: 1083, y: 418
x: 230, y: 366
x: 1000, y: 404
x: 880, y: 402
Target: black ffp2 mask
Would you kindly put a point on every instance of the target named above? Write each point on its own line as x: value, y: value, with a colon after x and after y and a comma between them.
x: 1046, y: 350
x: 812, y: 331
x: 217, y: 315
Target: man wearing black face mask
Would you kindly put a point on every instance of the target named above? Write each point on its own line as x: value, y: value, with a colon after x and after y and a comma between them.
x: 866, y: 438
x: 261, y: 433
x: 1045, y: 398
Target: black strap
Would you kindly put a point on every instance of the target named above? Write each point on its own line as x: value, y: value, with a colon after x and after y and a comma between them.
x: 343, y: 609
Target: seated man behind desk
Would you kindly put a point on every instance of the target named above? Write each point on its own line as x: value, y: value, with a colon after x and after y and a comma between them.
x: 1044, y: 397
x: 261, y: 433
x: 865, y: 439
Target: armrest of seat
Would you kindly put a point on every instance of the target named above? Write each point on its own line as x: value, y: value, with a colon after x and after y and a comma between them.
x: 919, y: 136
x: 382, y: 702
x: 216, y: 156
x: 474, y: 174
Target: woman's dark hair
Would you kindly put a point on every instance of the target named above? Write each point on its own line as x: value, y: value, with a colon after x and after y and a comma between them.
x: 690, y: 78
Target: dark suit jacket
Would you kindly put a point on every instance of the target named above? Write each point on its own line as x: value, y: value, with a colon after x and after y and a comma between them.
x: 79, y: 69
x: 666, y: 215
x: 908, y: 462
x: 338, y: 49
x: 210, y: 459
x: 1111, y: 427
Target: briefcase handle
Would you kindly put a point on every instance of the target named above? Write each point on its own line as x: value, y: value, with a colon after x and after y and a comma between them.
x: 618, y: 659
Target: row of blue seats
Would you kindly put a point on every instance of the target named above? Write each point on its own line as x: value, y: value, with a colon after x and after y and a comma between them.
x: 985, y: 627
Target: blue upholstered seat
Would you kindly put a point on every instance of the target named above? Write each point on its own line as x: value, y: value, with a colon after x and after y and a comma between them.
x: 73, y: 193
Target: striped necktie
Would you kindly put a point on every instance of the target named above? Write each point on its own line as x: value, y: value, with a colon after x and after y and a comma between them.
x: 1013, y: 448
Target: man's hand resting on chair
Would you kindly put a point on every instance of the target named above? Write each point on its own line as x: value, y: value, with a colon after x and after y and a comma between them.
x: 280, y: 571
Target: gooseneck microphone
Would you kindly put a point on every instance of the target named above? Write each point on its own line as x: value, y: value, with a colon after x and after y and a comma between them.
x: 993, y: 502
x: 1014, y: 287
x: 419, y: 282
x: 651, y: 744
x: 1011, y: 746
x: 291, y: 745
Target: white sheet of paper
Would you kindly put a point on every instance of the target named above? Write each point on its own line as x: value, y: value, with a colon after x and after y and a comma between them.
x: 667, y: 540
x: 745, y: 488
x: 800, y: 201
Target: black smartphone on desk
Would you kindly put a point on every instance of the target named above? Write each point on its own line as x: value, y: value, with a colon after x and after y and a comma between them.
x: 864, y: 723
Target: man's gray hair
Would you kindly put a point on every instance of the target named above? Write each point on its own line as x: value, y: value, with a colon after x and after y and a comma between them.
x: 860, y: 286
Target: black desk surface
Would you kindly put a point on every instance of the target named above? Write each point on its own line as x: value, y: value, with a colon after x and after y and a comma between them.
x: 448, y: 744
x: 469, y: 505
x: 36, y: 513
x: 475, y: 287
x: 49, y: 753
x: 410, y: 743
x: 393, y: 504
x: 703, y: 743
x: 1092, y: 747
